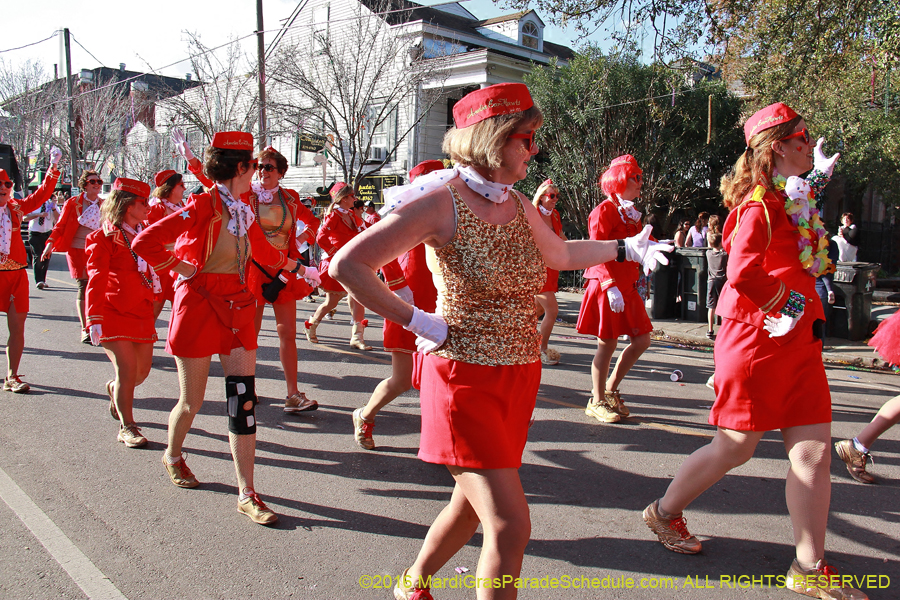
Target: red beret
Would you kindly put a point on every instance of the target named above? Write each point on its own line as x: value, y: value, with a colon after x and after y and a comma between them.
x: 132, y: 186
x: 233, y: 140
x: 4, y: 176
x: 492, y: 101
x: 770, y: 116
x: 424, y: 167
x: 163, y: 176
x: 339, y: 190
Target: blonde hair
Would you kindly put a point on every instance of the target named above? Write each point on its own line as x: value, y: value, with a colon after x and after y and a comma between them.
x: 543, y: 189
x: 481, y: 144
x: 115, y: 206
x: 755, y: 165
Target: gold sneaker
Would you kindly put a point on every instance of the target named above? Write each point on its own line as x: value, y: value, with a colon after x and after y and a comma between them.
x: 600, y: 409
x: 130, y: 435
x: 362, y: 431
x: 821, y: 582
x: 855, y: 461
x: 299, y: 403
x: 405, y: 589
x: 618, y: 405
x: 15, y: 385
x: 256, y: 509
x: 672, y: 533
x: 180, y: 474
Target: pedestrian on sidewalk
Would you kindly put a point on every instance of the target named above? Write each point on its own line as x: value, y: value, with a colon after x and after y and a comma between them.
x: 545, y: 199
x: 119, y: 296
x: 769, y: 371
x: 40, y: 224
x: 612, y: 305
x: 488, y: 249
x: 717, y: 263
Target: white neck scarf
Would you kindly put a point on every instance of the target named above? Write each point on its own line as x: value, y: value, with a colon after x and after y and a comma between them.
x: 404, y: 194
x: 90, y: 216
x: 241, y: 214
x: 265, y: 196
x: 142, y: 265
x: 544, y: 211
x: 173, y: 208
x: 5, y: 231
x: 627, y: 211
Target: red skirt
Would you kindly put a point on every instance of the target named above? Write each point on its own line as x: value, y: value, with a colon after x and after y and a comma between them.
x: 295, y: 289
x: 196, y: 330
x: 329, y: 284
x: 76, y: 258
x: 597, y: 318
x: 14, y: 291
x: 137, y: 325
x: 552, y: 283
x: 886, y: 340
x: 761, y: 386
x: 476, y: 416
x: 397, y: 339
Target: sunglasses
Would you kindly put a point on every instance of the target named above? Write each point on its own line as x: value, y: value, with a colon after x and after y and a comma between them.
x: 552, y: 196
x: 638, y: 177
x: 525, y: 136
x: 804, y: 133
x: 94, y: 182
x: 268, y: 168
x: 6, y: 184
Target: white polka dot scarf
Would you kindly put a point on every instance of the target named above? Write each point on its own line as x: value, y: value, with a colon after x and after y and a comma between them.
x: 404, y: 194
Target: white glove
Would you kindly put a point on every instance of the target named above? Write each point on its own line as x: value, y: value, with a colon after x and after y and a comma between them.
x: 831, y: 298
x: 405, y: 294
x: 312, y: 277
x: 430, y: 330
x: 641, y: 250
x: 181, y: 144
x: 55, y: 155
x: 781, y: 325
x: 616, y: 301
x: 96, y: 334
x: 821, y: 162
x: 182, y: 278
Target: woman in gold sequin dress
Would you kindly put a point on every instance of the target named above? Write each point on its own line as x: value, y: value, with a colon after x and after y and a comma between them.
x: 488, y: 249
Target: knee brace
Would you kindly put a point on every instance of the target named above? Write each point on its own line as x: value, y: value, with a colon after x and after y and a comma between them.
x: 82, y: 286
x: 240, y: 389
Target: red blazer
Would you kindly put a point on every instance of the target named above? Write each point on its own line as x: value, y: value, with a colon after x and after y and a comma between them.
x: 764, y: 264
x: 113, y: 277
x: 157, y: 211
x: 196, y: 167
x: 299, y: 213
x: 19, y: 208
x: 194, y: 231
x: 64, y: 231
x: 604, y: 223
x: 334, y: 234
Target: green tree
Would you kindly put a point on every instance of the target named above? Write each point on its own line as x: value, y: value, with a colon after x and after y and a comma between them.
x: 599, y: 107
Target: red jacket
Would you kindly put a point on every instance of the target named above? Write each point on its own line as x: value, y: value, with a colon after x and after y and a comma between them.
x: 299, y: 213
x: 764, y: 264
x: 19, y: 208
x: 195, y: 231
x: 196, y: 167
x: 64, y: 231
x: 605, y: 223
x: 113, y: 277
x: 334, y: 233
x: 157, y: 211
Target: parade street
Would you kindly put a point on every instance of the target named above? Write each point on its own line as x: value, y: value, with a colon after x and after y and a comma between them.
x: 85, y: 517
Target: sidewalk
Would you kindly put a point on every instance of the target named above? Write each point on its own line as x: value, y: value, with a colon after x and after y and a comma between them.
x: 837, y: 351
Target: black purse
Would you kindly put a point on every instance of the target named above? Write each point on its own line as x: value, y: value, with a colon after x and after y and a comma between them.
x: 271, y: 290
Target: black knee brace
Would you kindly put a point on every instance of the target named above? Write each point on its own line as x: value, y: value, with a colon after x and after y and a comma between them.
x: 238, y: 390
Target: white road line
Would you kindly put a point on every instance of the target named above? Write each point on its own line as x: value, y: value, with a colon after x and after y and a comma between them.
x: 79, y: 567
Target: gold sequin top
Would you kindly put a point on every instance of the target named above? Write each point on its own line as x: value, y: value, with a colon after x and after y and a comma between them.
x: 224, y: 257
x: 486, y: 278
x: 275, y: 220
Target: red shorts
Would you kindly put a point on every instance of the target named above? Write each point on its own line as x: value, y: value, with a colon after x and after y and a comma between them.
x: 14, y: 290
x: 597, y: 318
x: 137, y: 325
x: 476, y: 416
x: 295, y: 289
x: 761, y: 386
x: 77, y: 259
x: 196, y: 330
x: 552, y: 283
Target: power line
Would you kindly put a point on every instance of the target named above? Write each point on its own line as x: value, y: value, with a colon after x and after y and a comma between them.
x: 86, y: 50
x: 53, y: 35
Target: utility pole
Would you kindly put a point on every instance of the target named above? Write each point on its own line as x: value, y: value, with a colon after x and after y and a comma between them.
x: 73, y: 157
x: 261, y: 53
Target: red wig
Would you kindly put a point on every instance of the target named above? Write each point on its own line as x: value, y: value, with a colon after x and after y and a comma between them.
x: 615, y: 178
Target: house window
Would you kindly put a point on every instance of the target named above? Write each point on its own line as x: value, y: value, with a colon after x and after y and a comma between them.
x: 320, y: 16
x: 530, y: 35
x: 384, y: 134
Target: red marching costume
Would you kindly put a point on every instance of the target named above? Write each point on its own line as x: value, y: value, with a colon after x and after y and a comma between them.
x: 159, y: 209
x: 552, y: 283
x: 63, y: 235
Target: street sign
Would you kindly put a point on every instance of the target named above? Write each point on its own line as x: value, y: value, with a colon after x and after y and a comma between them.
x: 370, y: 187
x: 310, y: 142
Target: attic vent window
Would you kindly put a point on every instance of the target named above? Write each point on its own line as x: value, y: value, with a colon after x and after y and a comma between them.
x: 530, y: 35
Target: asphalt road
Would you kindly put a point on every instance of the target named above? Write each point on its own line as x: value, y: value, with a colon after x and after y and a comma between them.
x: 83, y: 516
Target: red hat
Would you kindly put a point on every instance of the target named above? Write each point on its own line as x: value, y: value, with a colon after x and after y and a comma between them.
x: 625, y: 159
x: 425, y: 167
x: 4, y: 176
x: 492, y: 101
x: 163, y: 176
x: 132, y: 186
x: 770, y: 116
x: 339, y: 190
x: 233, y: 140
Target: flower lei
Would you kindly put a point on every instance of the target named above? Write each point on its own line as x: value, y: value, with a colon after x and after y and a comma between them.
x: 801, y: 209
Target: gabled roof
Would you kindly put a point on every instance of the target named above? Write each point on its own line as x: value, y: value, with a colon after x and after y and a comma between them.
x: 512, y: 17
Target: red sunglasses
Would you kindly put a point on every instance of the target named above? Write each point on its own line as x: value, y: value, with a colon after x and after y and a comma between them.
x: 804, y: 133
x: 525, y: 136
x: 6, y: 184
x: 94, y: 182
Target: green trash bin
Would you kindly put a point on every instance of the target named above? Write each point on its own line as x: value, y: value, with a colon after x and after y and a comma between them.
x: 693, y: 271
x: 854, y: 283
x: 664, y: 289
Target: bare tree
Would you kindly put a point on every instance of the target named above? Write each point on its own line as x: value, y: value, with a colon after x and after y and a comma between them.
x: 103, y: 115
x: 361, y: 80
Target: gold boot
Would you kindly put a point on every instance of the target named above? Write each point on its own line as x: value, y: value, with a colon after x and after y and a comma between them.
x: 310, y: 327
x: 357, y: 340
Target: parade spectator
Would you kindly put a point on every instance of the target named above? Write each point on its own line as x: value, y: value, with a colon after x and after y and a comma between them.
x: 166, y: 199
x: 213, y: 311
x: 13, y: 278
x: 847, y: 238
x: 717, y: 263
x: 769, y: 371
x: 545, y: 199
x: 119, y: 296
x: 696, y: 235
x: 281, y: 215
x: 40, y: 224
x: 80, y: 217
x: 681, y: 234
x: 481, y: 370
x: 370, y: 215
x: 612, y: 305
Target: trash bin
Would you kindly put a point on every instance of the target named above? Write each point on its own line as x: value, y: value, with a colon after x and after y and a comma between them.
x: 854, y: 283
x: 693, y: 270
x: 664, y: 289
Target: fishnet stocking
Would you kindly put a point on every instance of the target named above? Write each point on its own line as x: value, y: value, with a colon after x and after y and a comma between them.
x: 192, y: 376
x: 808, y: 488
